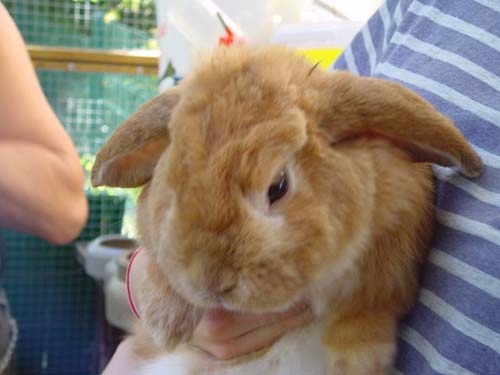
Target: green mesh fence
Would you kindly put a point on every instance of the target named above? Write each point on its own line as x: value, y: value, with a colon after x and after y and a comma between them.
x: 59, y: 309
x: 85, y: 23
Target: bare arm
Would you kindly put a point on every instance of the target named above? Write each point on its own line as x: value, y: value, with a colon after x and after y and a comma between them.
x: 41, y: 181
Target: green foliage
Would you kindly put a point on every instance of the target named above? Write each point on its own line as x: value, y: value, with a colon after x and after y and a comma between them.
x: 127, y: 11
x: 122, y: 201
x: 81, y: 15
x: 87, y: 161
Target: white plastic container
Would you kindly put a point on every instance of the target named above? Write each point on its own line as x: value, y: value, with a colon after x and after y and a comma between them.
x: 317, y: 35
x: 187, y: 28
x: 103, y: 249
x: 321, y: 42
x: 118, y: 312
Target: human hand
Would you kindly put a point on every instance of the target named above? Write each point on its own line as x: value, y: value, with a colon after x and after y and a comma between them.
x: 225, y: 334
x: 123, y: 361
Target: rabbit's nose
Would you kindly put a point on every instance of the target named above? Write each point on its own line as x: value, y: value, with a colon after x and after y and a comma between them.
x: 222, y: 295
x: 226, y: 290
x: 222, y: 286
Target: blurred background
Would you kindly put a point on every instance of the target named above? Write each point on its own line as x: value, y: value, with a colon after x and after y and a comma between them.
x: 98, y: 61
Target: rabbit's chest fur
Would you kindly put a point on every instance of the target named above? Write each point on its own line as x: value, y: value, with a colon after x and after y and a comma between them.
x: 297, y: 353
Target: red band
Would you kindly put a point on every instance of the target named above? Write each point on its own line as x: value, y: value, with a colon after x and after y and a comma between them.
x: 131, y: 303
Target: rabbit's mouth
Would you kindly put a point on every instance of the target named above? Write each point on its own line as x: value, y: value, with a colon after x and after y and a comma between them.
x: 239, y: 293
x: 294, y: 304
x: 289, y: 311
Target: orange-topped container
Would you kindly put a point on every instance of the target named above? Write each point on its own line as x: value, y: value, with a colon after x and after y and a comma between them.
x: 188, y: 28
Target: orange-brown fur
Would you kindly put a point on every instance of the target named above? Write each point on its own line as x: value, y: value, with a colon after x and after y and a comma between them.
x: 352, y: 231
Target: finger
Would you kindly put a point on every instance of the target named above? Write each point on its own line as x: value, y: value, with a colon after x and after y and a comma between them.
x: 122, y: 361
x: 255, y: 340
x: 221, y: 325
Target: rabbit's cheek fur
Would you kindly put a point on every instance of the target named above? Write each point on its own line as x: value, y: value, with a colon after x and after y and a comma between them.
x: 169, y: 318
x: 154, y: 205
x: 338, y: 227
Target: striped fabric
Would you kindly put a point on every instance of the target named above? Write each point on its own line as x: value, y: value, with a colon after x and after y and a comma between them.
x: 449, y: 52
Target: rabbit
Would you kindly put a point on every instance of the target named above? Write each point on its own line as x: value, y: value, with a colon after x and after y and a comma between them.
x: 268, y: 182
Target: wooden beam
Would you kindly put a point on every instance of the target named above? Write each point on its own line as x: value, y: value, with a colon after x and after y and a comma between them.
x: 144, y: 62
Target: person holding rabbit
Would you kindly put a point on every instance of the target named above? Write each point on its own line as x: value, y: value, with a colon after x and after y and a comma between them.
x: 446, y: 51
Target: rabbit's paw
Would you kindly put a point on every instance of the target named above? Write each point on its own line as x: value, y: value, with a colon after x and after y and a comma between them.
x: 361, y: 344
x: 374, y: 359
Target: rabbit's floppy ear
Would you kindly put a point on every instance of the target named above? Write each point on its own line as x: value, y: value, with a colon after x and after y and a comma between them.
x: 356, y: 106
x: 129, y: 156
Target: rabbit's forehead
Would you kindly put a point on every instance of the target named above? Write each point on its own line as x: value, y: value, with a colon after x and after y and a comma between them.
x: 228, y: 112
x: 243, y: 148
x: 234, y: 91
x: 228, y: 99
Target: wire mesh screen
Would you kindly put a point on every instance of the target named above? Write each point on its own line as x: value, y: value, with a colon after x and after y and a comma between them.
x: 58, y: 308
x: 85, y: 23
x: 91, y: 105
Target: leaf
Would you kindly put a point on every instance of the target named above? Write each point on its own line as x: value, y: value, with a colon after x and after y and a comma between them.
x: 169, y: 72
x: 112, y: 15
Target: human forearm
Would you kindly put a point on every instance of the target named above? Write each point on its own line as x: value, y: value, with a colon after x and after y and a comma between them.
x: 41, y: 191
x: 25, y: 114
x: 41, y: 186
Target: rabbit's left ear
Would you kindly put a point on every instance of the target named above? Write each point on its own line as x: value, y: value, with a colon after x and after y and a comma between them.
x: 128, y: 158
x: 356, y: 106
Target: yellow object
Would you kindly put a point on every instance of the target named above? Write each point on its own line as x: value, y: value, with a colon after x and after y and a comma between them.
x: 324, y: 56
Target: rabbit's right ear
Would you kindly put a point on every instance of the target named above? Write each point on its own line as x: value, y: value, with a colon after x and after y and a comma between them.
x: 128, y: 158
x: 369, y: 107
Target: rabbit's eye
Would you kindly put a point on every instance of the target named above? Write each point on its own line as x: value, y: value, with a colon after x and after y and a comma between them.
x: 278, y: 189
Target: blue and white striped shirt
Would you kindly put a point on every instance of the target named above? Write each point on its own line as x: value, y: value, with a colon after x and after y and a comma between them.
x: 449, y: 52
